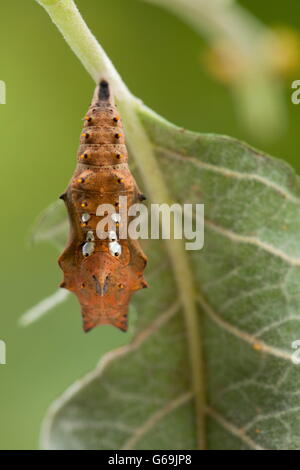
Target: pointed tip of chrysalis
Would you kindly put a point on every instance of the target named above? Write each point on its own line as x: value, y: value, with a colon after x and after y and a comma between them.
x: 103, y: 92
x: 121, y: 324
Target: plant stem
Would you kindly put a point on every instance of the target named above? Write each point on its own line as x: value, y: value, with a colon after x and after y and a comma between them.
x: 67, y: 18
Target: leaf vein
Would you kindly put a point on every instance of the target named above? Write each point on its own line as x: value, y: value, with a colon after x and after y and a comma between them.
x: 248, y: 338
x: 155, y: 418
x: 229, y: 173
x: 253, y: 241
x: 238, y: 432
x: 109, y: 357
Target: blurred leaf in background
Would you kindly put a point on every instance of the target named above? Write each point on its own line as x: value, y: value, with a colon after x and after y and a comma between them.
x: 251, y: 58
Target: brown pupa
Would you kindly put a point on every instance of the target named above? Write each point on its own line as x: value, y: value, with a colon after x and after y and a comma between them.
x: 103, y: 274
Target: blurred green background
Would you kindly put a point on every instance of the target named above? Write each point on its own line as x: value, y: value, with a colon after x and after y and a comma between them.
x: 48, y: 92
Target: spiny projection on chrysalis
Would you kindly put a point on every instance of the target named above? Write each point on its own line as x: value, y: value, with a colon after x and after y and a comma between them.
x: 103, y: 274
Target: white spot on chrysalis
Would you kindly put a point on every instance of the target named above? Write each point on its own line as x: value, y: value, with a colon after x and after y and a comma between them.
x: 85, y: 217
x: 112, y: 235
x: 90, y: 236
x: 116, y: 217
x: 88, y: 248
x: 115, y: 248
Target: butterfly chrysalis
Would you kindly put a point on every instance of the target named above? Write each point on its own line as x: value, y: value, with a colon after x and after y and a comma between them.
x: 103, y: 273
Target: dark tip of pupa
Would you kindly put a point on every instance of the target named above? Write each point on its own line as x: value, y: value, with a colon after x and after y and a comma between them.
x: 86, y: 329
x: 103, y: 93
x: 88, y: 326
x: 123, y: 328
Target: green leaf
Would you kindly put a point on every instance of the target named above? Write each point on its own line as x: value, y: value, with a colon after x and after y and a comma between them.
x: 247, y: 278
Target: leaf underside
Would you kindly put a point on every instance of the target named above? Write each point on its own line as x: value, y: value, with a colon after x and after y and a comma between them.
x: 249, y: 275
